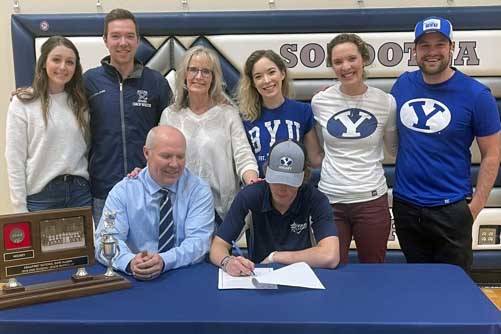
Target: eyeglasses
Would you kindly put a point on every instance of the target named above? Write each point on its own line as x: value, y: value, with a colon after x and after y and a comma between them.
x: 193, y: 72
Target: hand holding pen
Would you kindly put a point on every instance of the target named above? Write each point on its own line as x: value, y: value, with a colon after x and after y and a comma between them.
x: 239, y: 265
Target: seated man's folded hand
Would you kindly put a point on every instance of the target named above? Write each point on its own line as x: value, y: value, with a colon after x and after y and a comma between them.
x: 146, y: 266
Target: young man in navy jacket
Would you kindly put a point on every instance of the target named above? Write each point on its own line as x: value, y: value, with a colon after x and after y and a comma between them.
x: 126, y: 100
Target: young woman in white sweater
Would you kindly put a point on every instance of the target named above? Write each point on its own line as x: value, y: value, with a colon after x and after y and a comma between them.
x: 46, y: 132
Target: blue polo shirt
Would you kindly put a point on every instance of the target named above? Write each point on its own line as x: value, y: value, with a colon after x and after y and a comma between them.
x: 272, y: 231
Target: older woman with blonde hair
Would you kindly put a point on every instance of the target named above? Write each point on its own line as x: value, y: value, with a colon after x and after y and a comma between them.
x: 217, y: 147
x: 269, y: 114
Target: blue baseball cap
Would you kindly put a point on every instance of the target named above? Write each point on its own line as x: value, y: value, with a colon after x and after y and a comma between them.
x: 433, y: 24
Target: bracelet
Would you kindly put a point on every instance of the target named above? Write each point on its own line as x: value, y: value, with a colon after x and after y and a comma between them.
x: 225, y: 261
x: 270, y: 257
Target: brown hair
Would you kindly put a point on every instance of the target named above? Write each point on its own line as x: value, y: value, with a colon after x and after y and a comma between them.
x: 119, y: 14
x: 349, y: 38
x: 75, y: 88
x: 249, y: 100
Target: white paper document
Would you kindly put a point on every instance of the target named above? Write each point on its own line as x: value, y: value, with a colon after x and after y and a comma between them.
x: 298, y: 274
x: 227, y: 281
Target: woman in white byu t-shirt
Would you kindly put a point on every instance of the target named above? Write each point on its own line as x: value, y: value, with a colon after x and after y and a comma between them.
x: 356, y: 120
x: 46, y: 132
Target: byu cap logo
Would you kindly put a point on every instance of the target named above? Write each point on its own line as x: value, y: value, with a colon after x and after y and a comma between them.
x: 433, y: 24
x: 352, y: 124
x: 425, y: 115
x: 285, y: 162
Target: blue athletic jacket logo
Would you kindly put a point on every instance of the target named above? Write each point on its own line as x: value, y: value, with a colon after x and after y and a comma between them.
x: 352, y: 124
x: 425, y: 115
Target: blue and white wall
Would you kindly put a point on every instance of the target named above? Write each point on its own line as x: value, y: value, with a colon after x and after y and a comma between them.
x: 300, y: 36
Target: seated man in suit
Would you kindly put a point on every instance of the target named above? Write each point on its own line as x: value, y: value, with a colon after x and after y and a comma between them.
x: 291, y: 221
x: 165, y: 216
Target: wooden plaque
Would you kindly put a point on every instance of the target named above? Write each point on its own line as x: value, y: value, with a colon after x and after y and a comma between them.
x: 42, y: 241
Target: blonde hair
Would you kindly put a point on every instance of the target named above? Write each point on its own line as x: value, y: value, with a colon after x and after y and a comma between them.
x: 216, y: 95
x: 249, y: 99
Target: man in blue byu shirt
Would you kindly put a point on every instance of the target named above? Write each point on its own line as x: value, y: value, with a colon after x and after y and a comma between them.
x: 291, y: 221
x: 137, y: 202
x: 439, y: 112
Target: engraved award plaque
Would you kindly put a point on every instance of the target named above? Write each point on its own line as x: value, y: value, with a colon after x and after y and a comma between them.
x: 43, y: 241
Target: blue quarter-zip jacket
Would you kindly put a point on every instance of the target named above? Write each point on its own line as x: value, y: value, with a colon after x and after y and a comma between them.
x: 122, y: 111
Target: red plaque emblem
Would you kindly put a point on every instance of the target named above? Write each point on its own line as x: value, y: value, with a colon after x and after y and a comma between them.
x: 16, y: 235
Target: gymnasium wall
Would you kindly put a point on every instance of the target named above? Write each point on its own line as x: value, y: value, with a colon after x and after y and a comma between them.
x: 298, y: 33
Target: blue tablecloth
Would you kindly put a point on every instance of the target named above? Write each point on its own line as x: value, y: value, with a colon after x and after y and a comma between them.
x: 383, y: 298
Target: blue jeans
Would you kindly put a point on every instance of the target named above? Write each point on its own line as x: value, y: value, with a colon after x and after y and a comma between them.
x: 65, y: 191
x: 97, y: 209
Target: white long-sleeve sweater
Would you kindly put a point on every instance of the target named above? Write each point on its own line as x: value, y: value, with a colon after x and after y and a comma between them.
x: 37, y: 154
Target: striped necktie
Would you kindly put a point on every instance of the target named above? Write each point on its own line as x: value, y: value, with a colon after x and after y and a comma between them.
x: 166, y: 239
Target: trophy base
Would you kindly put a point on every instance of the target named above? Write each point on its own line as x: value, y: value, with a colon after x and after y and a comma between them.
x: 57, y: 290
x: 8, y: 289
x: 76, y: 278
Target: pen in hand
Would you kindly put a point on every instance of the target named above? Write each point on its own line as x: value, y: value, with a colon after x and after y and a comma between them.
x: 239, y: 253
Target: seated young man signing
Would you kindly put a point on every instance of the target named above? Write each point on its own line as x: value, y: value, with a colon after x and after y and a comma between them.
x: 291, y: 221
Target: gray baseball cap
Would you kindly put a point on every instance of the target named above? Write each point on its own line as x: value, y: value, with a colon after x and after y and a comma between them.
x: 286, y: 164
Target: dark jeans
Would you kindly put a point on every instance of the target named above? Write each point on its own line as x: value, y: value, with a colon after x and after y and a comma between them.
x: 368, y: 223
x: 65, y: 191
x: 97, y: 209
x: 440, y: 234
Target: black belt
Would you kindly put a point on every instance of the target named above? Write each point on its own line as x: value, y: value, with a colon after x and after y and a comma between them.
x: 65, y: 178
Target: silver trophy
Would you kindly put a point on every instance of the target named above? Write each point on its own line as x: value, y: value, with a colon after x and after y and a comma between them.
x: 109, y: 244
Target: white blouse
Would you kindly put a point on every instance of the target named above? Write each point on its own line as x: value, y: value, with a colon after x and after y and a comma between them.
x: 217, y: 149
